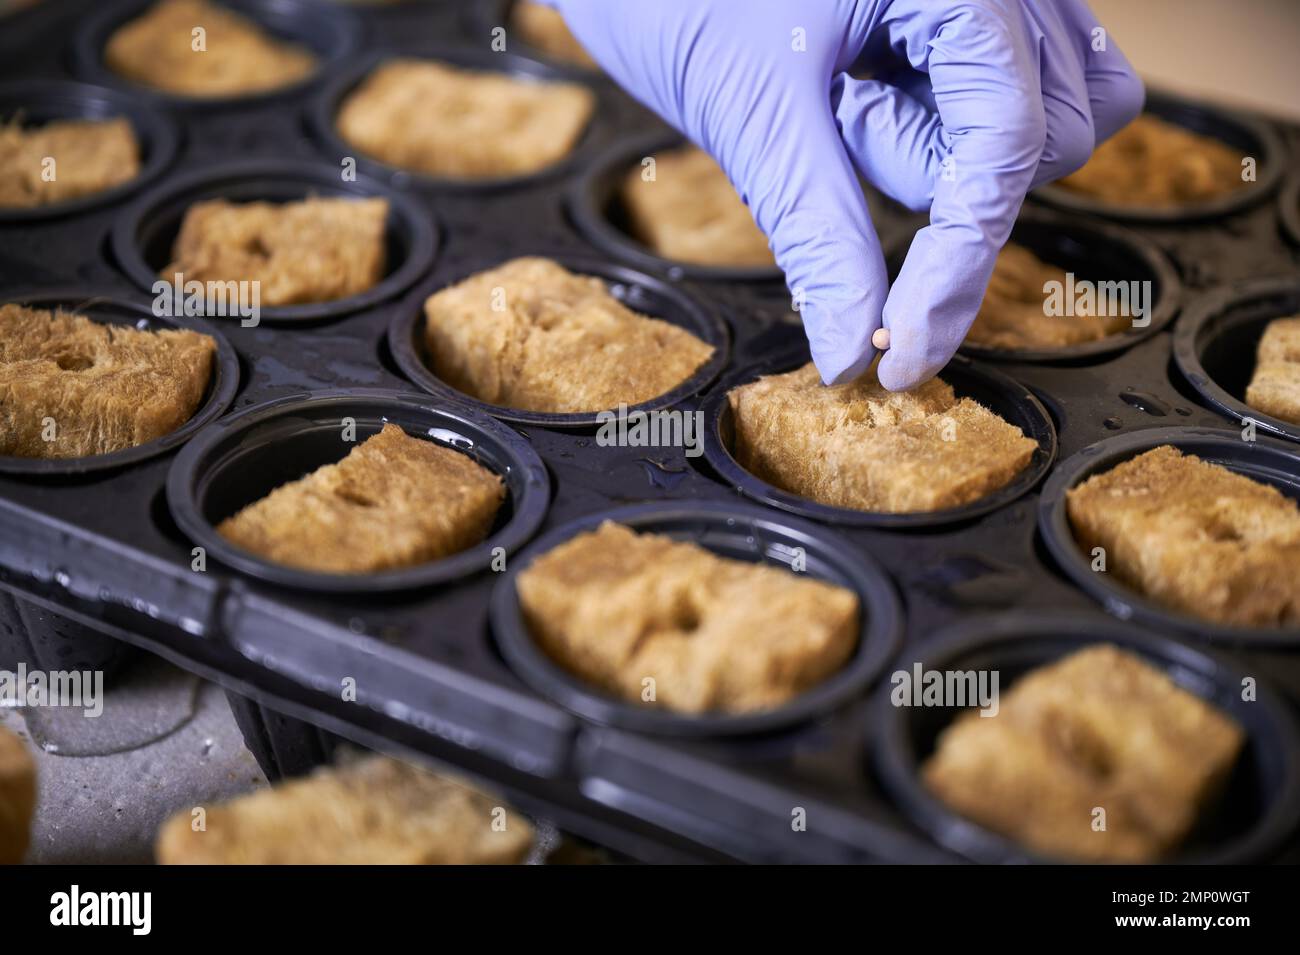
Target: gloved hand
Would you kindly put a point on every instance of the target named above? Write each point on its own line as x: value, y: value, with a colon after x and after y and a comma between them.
x: 972, y: 103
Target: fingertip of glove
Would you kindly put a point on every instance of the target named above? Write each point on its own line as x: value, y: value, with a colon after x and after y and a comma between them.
x: 835, y: 371
x: 896, y: 374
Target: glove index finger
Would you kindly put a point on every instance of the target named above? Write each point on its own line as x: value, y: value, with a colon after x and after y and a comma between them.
x: 986, y: 87
x: 792, y: 168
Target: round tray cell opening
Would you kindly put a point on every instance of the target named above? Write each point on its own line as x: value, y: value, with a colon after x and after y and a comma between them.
x: 34, y: 103
x: 1254, y: 137
x: 298, y: 449
x: 1119, y: 265
x: 484, y: 17
x: 641, y: 293
x: 105, y: 309
x: 250, y: 454
x: 738, y: 532
x: 328, y: 30
x: 144, y: 237
x: 1216, y: 343
x: 1264, y: 460
x: 324, y: 110
x: 597, y: 210
x: 1005, y: 397
x: 1253, y: 813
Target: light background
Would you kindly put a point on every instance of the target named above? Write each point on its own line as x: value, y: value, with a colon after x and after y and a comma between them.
x: 1237, y: 52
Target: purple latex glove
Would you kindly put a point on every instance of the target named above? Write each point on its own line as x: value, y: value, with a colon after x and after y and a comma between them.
x: 972, y: 104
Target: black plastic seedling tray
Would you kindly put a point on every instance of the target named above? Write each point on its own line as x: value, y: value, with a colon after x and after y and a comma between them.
x: 439, y: 667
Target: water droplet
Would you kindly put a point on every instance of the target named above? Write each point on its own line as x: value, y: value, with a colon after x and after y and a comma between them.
x: 1146, y: 402
x: 398, y: 711
x: 1118, y: 608
x: 663, y: 476
x: 1113, y: 423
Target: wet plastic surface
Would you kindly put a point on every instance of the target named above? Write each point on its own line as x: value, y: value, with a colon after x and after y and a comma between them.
x: 40, y: 639
x: 283, y: 747
x: 429, y: 676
